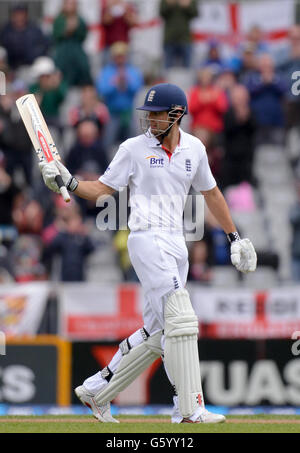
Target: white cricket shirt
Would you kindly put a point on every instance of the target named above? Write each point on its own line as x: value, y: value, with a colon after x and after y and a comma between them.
x: 158, y: 184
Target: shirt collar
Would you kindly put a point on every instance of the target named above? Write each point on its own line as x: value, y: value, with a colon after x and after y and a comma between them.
x: 183, y: 144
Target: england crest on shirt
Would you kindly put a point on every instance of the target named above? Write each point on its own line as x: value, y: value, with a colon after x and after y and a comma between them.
x: 188, y: 167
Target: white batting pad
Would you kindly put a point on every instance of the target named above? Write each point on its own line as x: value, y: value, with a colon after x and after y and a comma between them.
x: 181, y: 351
x: 131, y: 365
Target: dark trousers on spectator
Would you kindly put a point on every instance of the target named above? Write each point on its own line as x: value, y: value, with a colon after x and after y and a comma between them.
x: 178, y: 55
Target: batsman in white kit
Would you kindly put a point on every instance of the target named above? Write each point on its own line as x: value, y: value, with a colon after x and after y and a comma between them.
x: 163, y: 161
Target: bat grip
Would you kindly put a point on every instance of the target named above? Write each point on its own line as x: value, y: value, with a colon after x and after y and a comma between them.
x: 62, y: 188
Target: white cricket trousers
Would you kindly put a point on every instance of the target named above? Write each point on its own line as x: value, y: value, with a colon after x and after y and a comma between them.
x: 160, y: 260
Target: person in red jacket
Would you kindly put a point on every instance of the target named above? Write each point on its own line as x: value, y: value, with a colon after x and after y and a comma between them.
x: 207, y: 106
x: 118, y: 18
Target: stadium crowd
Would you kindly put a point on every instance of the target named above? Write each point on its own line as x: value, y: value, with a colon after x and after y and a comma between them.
x: 235, y: 104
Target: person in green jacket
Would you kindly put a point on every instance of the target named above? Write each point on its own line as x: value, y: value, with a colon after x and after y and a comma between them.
x: 177, y: 15
x: 69, y: 33
x: 50, y: 89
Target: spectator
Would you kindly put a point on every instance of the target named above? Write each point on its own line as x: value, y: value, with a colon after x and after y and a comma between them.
x: 118, y: 83
x: 69, y: 240
x: 255, y: 37
x: 177, y: 15
x: 28, y: 215
x: 118, y: 18
x: 87, y: 158
x: 90, y: 107
x: 14, y: 139
x: 26, y: 253
x: 245, y: 61
x: 225, y: 80
x: 295, y: 245
x: 50, y: 89
x: 288, y: 68
x: 213, y: 57
x: 267, y: 90
x: 207, y: 106
x: 69, y: 33
x: 3, y: 65
x: 239, y: 130
x: 200, y: 263
x: 23, y: 40
x: 9, y: 193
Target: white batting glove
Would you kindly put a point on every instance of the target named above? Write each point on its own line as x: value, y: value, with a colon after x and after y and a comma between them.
x: 243, y: 255
x: 51, y: 170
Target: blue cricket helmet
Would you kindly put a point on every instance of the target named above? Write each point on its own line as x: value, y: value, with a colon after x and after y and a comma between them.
x: 164, y: 97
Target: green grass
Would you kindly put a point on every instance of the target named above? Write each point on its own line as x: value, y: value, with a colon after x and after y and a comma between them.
x: 86, y: 424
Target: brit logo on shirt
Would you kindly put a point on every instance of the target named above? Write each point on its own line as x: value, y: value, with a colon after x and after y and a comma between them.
x: 155, y: 161
x: 188, y: 167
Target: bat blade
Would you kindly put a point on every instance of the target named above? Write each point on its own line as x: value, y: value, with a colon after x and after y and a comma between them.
x: 39, y: 134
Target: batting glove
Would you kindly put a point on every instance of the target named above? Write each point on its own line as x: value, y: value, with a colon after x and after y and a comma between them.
x: 51, y: 169
x: 70, y: 181
x: 243, y: 255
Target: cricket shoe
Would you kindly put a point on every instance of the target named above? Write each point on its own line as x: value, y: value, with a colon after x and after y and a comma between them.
x: 206, y: 417
x: 100, y: 411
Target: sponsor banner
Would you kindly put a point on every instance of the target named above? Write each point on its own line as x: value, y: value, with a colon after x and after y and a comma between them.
x: 113, y: 312
x: 219, y: 305
x: 250, y: 372
x: 243, y: 313
x: 36, y: 371
x: 234, y: 373
x: 22, y: 307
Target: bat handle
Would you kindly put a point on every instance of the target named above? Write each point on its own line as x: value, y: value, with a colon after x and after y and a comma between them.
x: 62, y: 188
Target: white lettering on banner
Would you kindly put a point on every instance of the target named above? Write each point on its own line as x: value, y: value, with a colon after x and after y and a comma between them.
x: 223, y: 305
x: 296, y: 85
x: 296, y: 345
x: 291, y: 373
x: 263, y: 383
x: 283, y: 304
x: 213, y: 374
x: 17, y: 384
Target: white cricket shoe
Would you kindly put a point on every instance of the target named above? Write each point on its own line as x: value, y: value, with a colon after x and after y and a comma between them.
x: 200, y: 416
x: 206, y: 417
x: 100, y: 412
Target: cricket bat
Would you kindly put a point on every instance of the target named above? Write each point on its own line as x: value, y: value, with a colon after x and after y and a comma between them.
x: 40, y: 136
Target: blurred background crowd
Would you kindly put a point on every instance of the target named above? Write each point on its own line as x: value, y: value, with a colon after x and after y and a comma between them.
x: 241, y: 104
